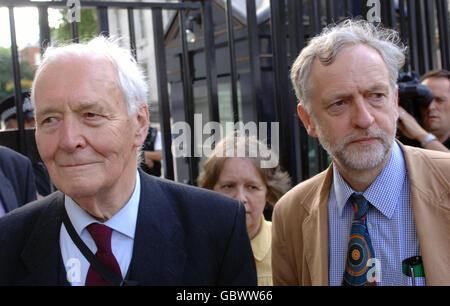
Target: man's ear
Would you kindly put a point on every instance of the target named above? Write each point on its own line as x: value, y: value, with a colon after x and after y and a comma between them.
x: 305, y: 117
x: 143, y: 122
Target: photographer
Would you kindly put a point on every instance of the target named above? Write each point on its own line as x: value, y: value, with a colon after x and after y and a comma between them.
x: 435, y: 118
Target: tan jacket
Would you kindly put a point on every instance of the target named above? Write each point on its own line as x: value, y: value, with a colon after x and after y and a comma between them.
x: 300, y: 222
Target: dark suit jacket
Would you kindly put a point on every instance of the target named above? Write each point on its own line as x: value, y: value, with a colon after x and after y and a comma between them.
x: 17, y: 185
x: 184, y: 236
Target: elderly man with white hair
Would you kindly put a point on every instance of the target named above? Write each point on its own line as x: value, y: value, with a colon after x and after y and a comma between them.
x: 109, y: 223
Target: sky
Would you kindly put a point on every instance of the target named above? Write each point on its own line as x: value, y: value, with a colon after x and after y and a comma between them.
x: 27, y: 25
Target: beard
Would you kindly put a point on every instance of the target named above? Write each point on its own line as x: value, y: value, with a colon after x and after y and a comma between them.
x: 354, y: 157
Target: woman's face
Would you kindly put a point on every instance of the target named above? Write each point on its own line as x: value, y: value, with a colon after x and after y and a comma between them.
x: 241, y: 180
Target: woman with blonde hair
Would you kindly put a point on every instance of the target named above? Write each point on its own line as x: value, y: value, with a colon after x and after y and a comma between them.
x: 236, y: 169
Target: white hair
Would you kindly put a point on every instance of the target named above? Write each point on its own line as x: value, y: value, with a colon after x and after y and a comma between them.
x: 326, y: 46
x: 131, y: 79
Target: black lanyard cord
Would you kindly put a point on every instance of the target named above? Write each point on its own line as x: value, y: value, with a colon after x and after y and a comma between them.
x: 112, y: 278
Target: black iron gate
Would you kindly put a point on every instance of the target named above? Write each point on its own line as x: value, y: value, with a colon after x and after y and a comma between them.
x: 272, y: 46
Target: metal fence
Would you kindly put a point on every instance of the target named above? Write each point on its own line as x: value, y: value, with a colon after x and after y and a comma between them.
x: 423, y: 24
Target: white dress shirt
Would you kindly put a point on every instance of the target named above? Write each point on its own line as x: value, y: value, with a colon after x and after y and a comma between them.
x: 123, y: 224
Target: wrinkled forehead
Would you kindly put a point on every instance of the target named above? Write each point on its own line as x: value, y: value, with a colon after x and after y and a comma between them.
x: 77, y: 80
x: 67, y: 70
x: 68, y: 65
x: 95, y: 64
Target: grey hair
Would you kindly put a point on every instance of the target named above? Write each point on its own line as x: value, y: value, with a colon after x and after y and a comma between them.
x: 130, y: 77
x: 326, y: 46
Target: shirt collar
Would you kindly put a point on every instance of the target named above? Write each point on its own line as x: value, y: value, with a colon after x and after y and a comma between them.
x: 384, y: 192
x: 124, y: 221
x: 261, y: 243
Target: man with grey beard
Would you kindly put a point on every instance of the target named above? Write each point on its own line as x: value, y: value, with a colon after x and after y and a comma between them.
x: 379, y: 215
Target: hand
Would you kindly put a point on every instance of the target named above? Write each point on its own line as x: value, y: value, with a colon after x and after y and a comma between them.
x: 148, y: 161
x: 412, y: 129
x: 409, y: 126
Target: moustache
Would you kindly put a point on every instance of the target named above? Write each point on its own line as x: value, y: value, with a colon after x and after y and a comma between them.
x: 370, y: 133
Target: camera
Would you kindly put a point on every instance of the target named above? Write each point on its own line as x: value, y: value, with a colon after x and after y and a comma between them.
x: 412, y: 95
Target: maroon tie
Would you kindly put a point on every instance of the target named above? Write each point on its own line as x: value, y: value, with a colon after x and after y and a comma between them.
x: 102, y: 237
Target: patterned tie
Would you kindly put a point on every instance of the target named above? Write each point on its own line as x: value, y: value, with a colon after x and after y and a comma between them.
x: 102, y: 237
x: 360, y: 249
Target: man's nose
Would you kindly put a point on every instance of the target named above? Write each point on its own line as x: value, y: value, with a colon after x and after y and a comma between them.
x: 361, y: 116
x: 432, y: 105
x: 71, y: 137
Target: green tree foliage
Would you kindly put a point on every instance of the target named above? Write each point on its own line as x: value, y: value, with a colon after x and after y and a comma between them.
x: 87, y: 27
x: 6, y: 73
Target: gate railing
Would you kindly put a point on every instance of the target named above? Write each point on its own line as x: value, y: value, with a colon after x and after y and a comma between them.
x: 423, y: 24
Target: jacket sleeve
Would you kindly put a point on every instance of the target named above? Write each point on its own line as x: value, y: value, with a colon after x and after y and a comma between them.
x: 19, y: 170
x: 283, y: 269
x: 238, y: 267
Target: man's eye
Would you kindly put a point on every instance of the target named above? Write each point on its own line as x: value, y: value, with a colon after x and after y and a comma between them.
x: 337, y: 104
x: 90, y: 115
x: 377, y: 95
x: 48, y: 120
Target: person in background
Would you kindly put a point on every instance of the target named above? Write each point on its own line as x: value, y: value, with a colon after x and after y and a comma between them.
x: 8, y: 113
x: 152, y: 151
x: 17, y: 185
x: 243, y: 179
x: 8, y: 120
x: 110, y: 223
x: 435, y: 133
x: 380, y: 213
x: 436, y: 117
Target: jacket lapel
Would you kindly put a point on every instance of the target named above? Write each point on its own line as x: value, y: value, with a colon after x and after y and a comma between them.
x: 158, y: 252
x: 430, y: 215
x: 315, y: 231
x: 41, y: 254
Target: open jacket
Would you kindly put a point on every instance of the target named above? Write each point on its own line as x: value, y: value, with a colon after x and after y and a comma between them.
x: 184, y: 236
x: 300, y: 222
x: 17, y: 185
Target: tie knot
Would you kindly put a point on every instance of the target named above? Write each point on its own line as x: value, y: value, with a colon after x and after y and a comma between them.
x: 360, y: 205
x: 101, y: 235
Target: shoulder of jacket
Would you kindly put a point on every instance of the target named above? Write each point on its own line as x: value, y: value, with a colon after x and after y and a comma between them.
x: 196, y: 197
x: 26, y: 216
x: 8, y: 154
x: 425, y: 161
x: 302, y: 196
